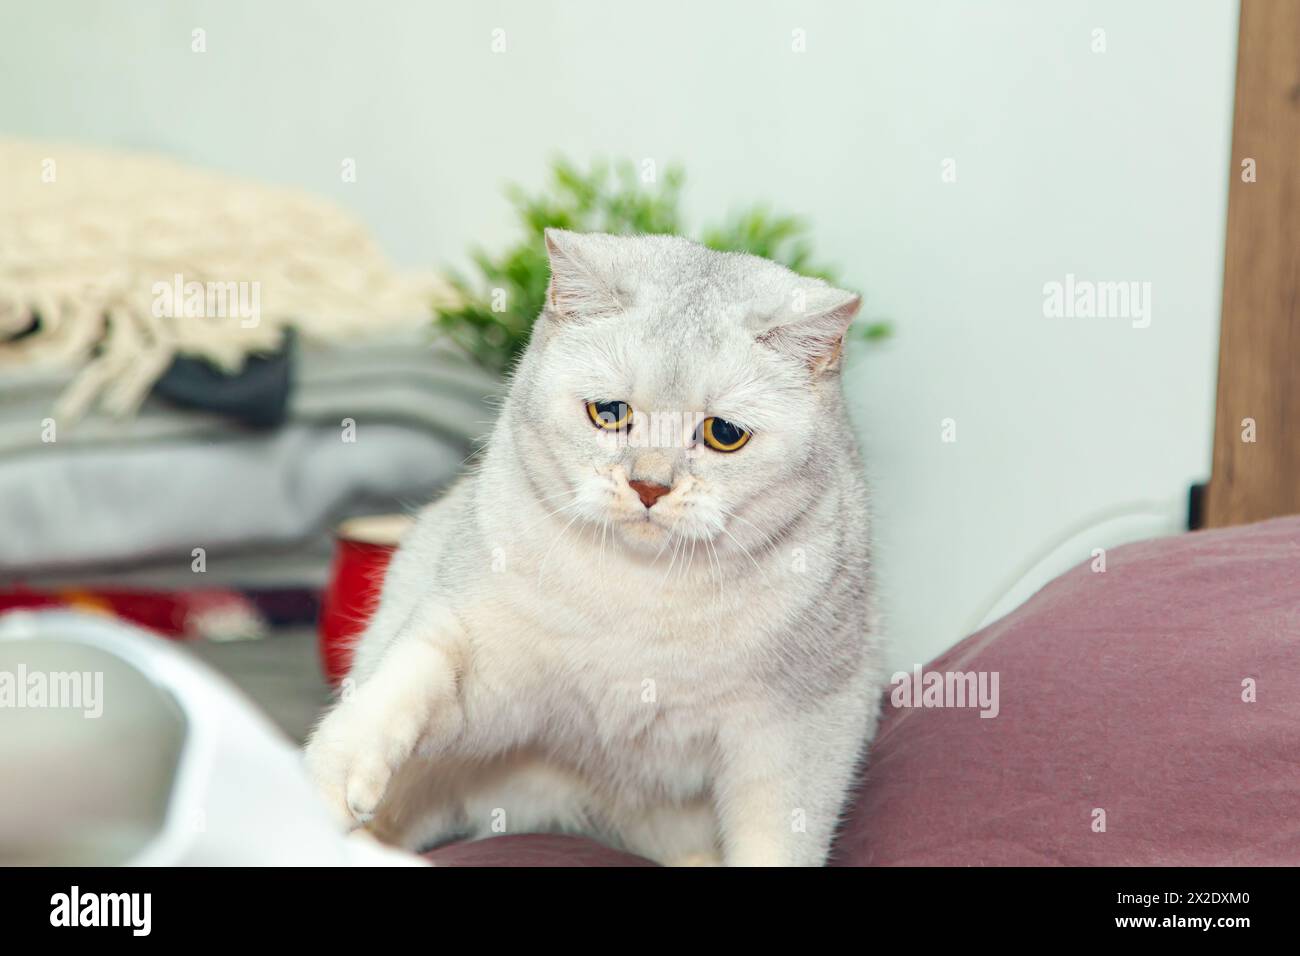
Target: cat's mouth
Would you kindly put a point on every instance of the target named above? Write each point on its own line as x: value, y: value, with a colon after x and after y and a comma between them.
x: 647, y: 542
x: 646, y: 515
x: 643, y: 531
x: 647, y: 523
x: 656, y: 533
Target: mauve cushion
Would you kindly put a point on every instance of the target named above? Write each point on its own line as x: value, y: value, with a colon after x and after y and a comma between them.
x: 1119, y: 691
x: 532, y: 849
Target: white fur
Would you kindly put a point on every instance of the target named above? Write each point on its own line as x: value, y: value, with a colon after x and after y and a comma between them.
x: 695, y: 682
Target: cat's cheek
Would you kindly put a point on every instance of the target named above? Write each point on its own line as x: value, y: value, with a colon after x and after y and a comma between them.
x: 596, y: 498
x: 705, y: 521
x: 609, y: 445
x: 772, y: 459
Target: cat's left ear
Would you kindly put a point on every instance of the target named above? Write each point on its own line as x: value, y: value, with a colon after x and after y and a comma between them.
x: 579, y: 286
x: 812, y: 329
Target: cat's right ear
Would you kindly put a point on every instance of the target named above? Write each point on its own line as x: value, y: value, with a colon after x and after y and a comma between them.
x: 579, y: 287
x: 813, y: 333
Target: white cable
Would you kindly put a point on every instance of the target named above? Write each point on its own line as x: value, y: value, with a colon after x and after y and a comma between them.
x: 1128, y: 510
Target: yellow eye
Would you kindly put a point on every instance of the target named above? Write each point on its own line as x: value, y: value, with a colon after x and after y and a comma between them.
x: 721, y: 435
x: 610, y: 416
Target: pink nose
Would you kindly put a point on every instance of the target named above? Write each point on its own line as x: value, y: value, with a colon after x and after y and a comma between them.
x: 648, y: 492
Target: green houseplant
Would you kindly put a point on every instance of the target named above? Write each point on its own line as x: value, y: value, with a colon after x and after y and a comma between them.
x: 496, y: 310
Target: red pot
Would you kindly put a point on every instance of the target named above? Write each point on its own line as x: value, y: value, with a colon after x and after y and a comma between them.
x: 363, y: 548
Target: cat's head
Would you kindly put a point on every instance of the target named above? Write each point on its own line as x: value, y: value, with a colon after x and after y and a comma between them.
x: 671, y: 391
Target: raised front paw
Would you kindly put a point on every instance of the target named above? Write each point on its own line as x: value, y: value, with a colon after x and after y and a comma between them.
x: 363, y: 741
x: 352, y: 756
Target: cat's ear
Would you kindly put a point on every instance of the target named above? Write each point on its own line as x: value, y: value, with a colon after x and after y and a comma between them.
x: 812, y: 328
x: 580, y: 285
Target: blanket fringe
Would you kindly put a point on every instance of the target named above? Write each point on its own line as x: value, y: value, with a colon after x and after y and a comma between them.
x: 95, y: 244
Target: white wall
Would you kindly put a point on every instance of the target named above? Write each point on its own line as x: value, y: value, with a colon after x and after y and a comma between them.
x: 1111, y: 166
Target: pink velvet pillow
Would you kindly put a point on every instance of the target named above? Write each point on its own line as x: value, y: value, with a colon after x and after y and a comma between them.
x: 1146, y: 715
x: 1163, y: 692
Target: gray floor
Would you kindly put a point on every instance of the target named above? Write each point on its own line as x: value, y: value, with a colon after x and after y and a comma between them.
x: 281, y: 673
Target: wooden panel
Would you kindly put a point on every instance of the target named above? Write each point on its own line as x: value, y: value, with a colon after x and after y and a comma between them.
x: 1259, y: 338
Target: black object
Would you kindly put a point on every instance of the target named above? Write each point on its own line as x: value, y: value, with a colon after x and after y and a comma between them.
x: 258, y: 396
x: 1196, y: 507
x: 286, y: 607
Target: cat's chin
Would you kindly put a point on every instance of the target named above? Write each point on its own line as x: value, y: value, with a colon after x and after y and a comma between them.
x: 643, y: 535
x: 650, y: 538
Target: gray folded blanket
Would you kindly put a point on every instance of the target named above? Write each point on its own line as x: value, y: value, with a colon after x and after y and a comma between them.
x: 371, y: 427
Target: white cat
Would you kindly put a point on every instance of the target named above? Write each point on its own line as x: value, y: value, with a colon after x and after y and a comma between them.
x: 647, y: 615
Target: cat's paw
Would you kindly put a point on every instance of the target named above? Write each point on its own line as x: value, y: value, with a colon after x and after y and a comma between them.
x: 372, y: 731
x: 364, y: 787
x: 351, y: 758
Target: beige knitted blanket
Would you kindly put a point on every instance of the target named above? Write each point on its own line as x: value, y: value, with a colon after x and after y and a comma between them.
x: 113, y: 263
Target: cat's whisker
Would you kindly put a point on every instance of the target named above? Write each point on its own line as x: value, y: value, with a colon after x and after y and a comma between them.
x: 560, y: 494
x: 715, y: 562
x: 667, y: 541
x: 690, y: 561
x: 482, y: 442
x: 550, y: 514
x: 745, y: 551
x: 541, y: 567
x: 468, y: 458
x: 547, y: 498
x: 763, y: 535
x: 681, y: 551
x: 766, y: 542
x: 722, y: 579
x: 604, y: 533
x: 676, y: 550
